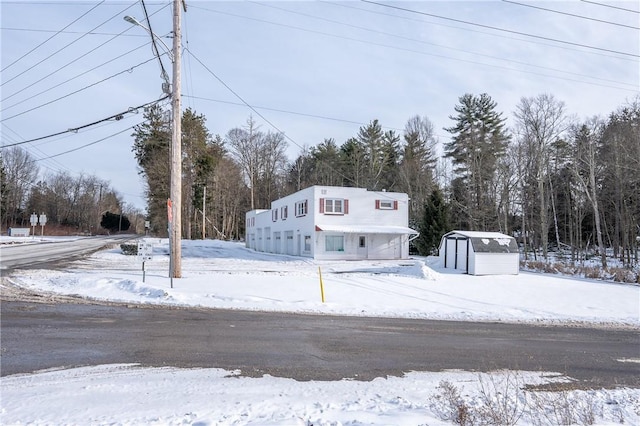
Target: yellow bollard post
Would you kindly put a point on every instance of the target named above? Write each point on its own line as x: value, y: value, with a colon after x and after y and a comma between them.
x: 321, y: 286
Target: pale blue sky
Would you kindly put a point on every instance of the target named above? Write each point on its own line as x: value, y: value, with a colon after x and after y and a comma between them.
x: 313, y: 69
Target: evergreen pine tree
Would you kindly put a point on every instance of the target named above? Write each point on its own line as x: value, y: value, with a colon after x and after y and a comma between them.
x: 434, y: 224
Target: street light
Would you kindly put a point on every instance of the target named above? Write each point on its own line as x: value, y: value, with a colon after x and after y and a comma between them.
x: 166, y: 87
x: 175, y: 196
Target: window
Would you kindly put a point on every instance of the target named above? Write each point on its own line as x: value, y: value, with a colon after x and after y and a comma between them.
x: 274, y: 215
x: 307, y: 243
x: 284, y: 212
x: 362, y: 241
x: 301, y: 208
x: 386, y: 205
x: 334, y: 206
x: 334, y: 243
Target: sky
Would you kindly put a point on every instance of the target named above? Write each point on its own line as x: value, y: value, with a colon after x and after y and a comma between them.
x: 310, y: 69
x: 416, y: 288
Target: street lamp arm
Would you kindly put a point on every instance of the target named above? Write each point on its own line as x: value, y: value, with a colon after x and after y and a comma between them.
x: 134, y: 21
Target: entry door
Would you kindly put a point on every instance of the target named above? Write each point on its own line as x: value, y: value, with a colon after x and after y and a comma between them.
x: 362, y: 247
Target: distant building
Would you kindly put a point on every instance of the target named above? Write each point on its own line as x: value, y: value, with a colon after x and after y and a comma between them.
x: 330, y: 222
x: 480, y: 253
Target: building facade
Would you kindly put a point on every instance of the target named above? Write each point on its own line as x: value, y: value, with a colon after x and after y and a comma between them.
x: 330, y: 222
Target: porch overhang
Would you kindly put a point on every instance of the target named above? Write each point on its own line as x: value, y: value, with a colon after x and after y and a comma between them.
x: 367, y: 229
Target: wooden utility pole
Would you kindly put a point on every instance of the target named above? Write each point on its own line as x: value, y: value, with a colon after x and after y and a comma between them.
x: 204, y: 216
x: 176, y: 149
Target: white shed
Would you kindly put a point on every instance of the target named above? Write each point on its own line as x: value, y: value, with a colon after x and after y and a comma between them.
x: 480, y: 253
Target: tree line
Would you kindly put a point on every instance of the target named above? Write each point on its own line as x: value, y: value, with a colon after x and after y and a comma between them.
x: 551, y: 180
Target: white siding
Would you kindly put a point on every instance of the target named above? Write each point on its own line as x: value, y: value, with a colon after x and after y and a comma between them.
x: 496, y: 264
x: 364, y: 209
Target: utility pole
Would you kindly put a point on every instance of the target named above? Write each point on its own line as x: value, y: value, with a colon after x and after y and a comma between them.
x: 176, y: 149
x: 204, y: 217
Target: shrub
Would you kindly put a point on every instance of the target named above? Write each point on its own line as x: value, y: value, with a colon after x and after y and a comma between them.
x: 129, y: 249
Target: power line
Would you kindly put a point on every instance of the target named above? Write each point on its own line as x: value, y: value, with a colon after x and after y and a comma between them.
x: 491, y: 34
x: 611, y: 6
x: 571, y: 14
x: 602, y: 49
x: 65, y: 65
x: 156, y: 52
x: 329, y: 165
x: 77, y: 91
x: 64, y: 47
x: 241, y: 98
x: 117, y: 116
x: 633, y: 89
x: 289, y: 112
x: 73, y: 78
x: 439, y: 45
x: 89, y: 144
x: 57, y: 33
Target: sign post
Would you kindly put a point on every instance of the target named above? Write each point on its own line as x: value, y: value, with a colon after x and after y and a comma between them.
x: 34, y: 222
x: 43, y: 221
x: 169, y: 227
x: 145, y: 253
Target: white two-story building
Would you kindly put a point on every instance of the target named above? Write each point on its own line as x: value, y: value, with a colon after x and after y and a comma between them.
x: 331, y: 222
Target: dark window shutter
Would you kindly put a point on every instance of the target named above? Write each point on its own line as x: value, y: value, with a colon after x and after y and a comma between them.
x: 346, y: 206
x: 321, y: 205
x: 377, y: 204
x: 395, y: 205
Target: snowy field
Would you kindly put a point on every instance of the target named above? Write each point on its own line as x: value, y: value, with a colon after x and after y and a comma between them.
x: 226, y: 275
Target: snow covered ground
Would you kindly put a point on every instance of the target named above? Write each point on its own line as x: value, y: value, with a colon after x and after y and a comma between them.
x: 226, y: 275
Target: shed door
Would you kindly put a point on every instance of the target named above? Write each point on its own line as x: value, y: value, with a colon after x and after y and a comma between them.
x: 456, y: 254
x: 461, y: 263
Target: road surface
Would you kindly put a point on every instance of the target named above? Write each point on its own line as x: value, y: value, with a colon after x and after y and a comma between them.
x: 304, y: 347
x: 29, y: 255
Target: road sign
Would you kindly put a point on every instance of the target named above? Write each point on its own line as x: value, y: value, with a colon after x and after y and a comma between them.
x: 34, y: 219
x: 145, y: 251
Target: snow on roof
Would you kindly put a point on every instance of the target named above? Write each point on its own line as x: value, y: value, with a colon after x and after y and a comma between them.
x: 488, y: 242
x: 479, y: 234
x: 366, y: 229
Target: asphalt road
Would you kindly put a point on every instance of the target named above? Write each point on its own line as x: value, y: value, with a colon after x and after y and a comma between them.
x: 305, y: 347
x: 31, y: 255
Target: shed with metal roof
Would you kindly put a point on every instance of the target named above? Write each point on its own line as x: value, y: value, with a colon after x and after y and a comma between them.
x: 480, y: 253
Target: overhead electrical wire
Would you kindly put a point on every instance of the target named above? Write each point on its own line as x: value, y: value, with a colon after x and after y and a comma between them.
x: 64, y: 47
x: 611, y: 6
x: 90, y: 143
x: 252, y: 108
x: 404, y: 9
x: 441, y: 46
x: 77, y: 91
x: 57, y: 33
x: 156, y: 52
x: 491, y: 34
x: 633, y: 89
x: 288, y: 112
x: 571, y: 14
x: 116, y: 117
x: 73, y: 78
x: 65, y: 65
x: 59, y: 167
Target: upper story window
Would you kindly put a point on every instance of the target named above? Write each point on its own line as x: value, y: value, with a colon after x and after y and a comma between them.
x: 301, y: 208
x: 334, y: 206
x: 284, y: 212
x: 274, y: 215
x: 386, y: 205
